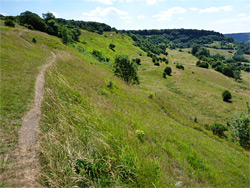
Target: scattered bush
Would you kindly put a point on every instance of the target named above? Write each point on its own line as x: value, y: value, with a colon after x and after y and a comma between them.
x: 180, y: 66
x: 226, y: 95
x: 218, y: 129
x: 167, y: 71
x: 157, y: 64
x: 126, y: 69
x: 9, y: 23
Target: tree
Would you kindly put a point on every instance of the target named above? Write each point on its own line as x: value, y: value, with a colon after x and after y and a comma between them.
x: 241, y: 129
x: 226, y: 95
x: 125, y: 69
x: 66, y: 36
x: 167, y: 71
x: 48, y: 16
x: 32, y: 19
x: 9, y: 23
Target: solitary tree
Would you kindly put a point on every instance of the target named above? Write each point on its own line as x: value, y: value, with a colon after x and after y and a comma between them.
x: 125, y: 69
x: 167, y: 71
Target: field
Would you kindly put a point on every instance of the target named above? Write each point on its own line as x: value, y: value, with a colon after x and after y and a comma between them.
x: 98, y: 131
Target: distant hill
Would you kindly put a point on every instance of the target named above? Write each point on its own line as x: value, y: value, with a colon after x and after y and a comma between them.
x: 241, y: 37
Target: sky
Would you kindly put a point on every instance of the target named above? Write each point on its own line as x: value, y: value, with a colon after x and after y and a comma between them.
x: 224, y: 16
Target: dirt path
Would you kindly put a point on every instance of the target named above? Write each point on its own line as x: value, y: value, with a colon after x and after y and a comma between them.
x: 21, y: 37
x: 28, y: 136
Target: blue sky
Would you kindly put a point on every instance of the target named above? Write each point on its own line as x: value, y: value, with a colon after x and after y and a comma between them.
x: 225, y: 16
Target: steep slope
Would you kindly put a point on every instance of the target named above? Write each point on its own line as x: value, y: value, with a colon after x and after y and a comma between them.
x: 117, y: 135
x: 98, y: 131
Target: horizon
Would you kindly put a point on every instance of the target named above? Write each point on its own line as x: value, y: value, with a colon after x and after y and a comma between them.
x: 227, y: 17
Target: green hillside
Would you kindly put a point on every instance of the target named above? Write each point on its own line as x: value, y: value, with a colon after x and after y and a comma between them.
x: 98, y: 131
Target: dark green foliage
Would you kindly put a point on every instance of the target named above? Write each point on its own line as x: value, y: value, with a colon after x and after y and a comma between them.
x: 111, y: 46
x: 29, y: 26
x: 126, y: 69
x: 218, y: 129
x: 240, y: 57
x: 137, y: 61
x: 52, y: 28
x: 226, y: 95
x: 202, y: 64
x: 9, y: 23
x: 157, y: 64
x: 195, y: 49
x: 34, y: 40
x: 167, y: 71
x: 180, y: 66
x: 66, y: 35
x: 32, y: 19
x: 227, y: 71
x: 241, y: 130
x: 98, y: 55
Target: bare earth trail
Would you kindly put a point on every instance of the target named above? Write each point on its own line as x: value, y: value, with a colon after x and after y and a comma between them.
x: 28, y: 136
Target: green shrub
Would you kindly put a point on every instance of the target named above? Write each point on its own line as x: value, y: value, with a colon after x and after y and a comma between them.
x: 167, y: 71
x: 112, y: 46
x: 226, y: 95
x: 202, y: 64
x: 218, y: 129
x: 157, y: 64
x: 98, y: 55
x: 180, y: 66
x: 140, y: 135
x: 34, y: 40
x: 241, y: 129
x: 137, y: 61
x: 9, y: 23
x: 126, y: 69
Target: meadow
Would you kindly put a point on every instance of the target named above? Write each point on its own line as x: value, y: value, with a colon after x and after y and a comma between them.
x: 98, y: 131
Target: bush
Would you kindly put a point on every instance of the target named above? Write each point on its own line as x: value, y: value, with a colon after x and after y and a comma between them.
x: 9, y: 23
x: 218, y: 129
x: 140, y: 135
x: 137, y: 61
x: 126, y: 69
x: 179, y: 66
x: 202, y: 64
x: 98, y: 55
x: 157, y: 64
x: 34, y: 40
x: 111, y: 46
x: 241, y: 129
x: 167, y: 71
x: 226, y: 95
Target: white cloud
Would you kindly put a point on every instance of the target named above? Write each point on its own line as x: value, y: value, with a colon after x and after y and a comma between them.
x: 140, y: 17
x: 126, y: 17
x: 193, y: 9
x: 216, y: 9
x: 106, y: 2
x: 167, y: 15
x: 99, y: 14
x: 151, y: 2
x: 181, y: 18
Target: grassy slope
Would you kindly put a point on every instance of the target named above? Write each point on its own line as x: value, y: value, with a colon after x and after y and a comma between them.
x: 89, y: 130
x: 20, y: 64
x: 99, y: 126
